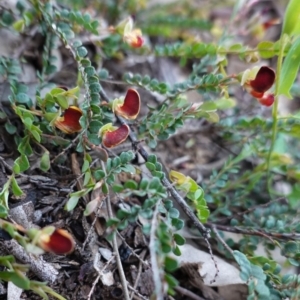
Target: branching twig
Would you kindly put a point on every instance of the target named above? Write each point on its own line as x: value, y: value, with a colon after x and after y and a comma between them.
x: 249, y: 210
x: 221, y: 240
x: 139, y: 273
x: 92, y: 225
x: 132, y: 251
x: 100, y: 273
x: 138, y: 294
x: 66, y: 149
x: 261, y: 233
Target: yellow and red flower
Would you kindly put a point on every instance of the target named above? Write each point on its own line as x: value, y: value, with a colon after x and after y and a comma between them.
x: 128, y: 107
x: 57, y: 241
x: 113, y: 136
x: 257, y: 82
x: 132, y: 36
x: 69, y: 122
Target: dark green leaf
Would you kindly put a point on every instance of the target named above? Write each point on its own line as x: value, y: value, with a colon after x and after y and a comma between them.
x: 176, y: 251
x: 131, y: 184
x: 166, y: 248
x: 90, y: 71
x: 121, y: 214
x: 15, y: 188
x: 3, y: 211
x: 112, y: 222
x: 20, y: 280
x: 150, y: 166
x: 152, y: 159
x: 180, y: 240
x: 117, y: 188
x: 171, y: 264
x: 99, y: 174
x: 172, y: 281
x: 23, y: 163
x: 149, y: 203
x: 178, y: 223
x: 154, y: 184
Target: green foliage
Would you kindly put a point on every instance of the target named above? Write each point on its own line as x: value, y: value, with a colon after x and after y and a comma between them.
x: 162, y: 122
x: 290, y: 69
x: 9, y: 68
x: 196, y: 50
x: 291, y: 25
x: 240, y: 195
x: 172, y: 25
x: 254, y: 274
x: 206, y: 83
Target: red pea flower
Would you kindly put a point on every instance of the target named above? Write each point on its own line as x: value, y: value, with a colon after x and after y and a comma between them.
x: 69, y: 122
x: 57, y: 241
x: 263, y: 81
x: 258, y: 81
x: 132, y: 36
x: 128, y: 107
x: 113, y: 136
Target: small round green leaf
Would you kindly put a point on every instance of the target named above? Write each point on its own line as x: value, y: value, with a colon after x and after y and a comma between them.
x: 81, y: 51
x: 170, y: 264
x: 180, y: 240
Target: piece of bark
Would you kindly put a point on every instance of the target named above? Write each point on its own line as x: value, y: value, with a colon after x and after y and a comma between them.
x: 42, y: 269
x: 23, y: 214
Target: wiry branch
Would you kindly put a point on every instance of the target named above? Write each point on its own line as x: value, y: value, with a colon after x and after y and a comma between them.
x: 261, y: 233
